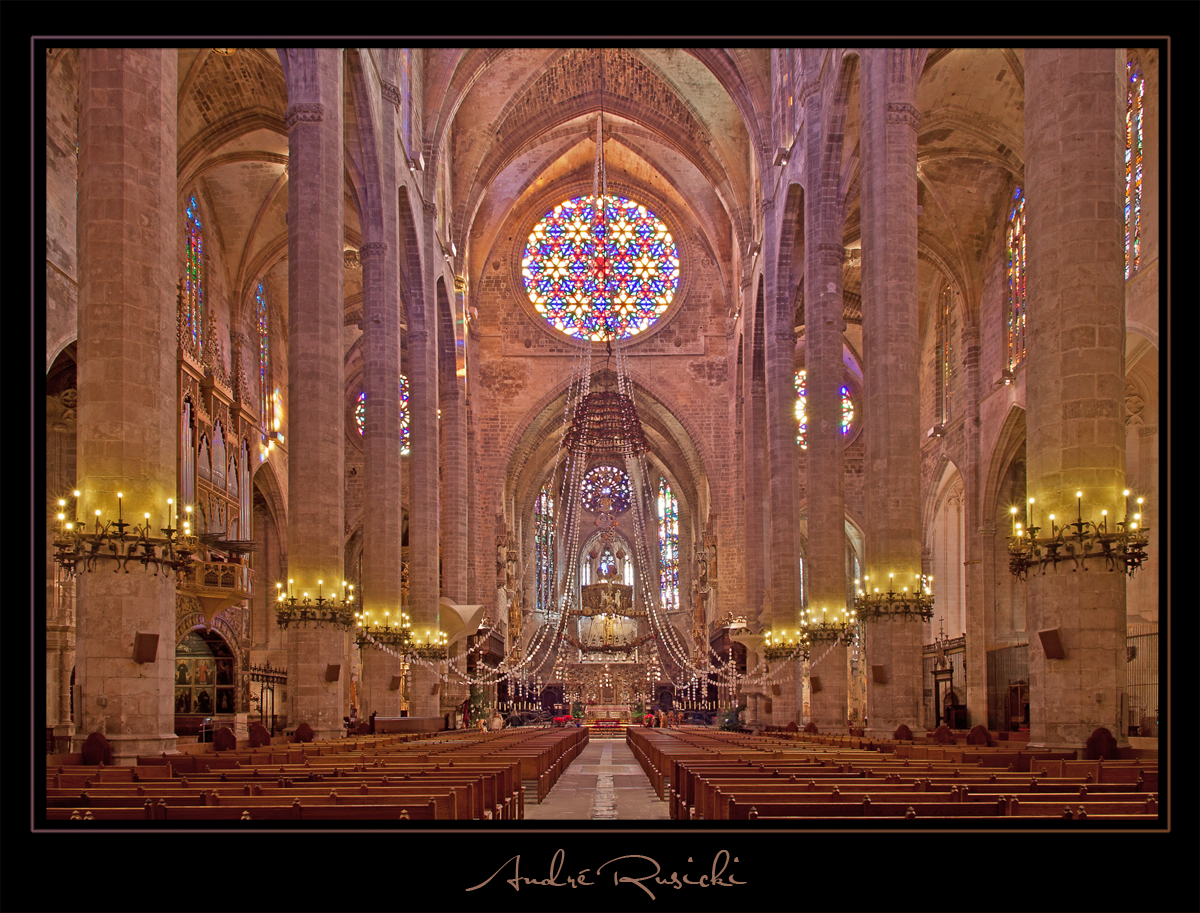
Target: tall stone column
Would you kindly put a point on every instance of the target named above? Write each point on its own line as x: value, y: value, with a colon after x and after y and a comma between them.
x: 826, y: 464
x: 453, y: 484
x: 127, y: 408
x: 424, y: 519
x: 1075, y: 379
x: 891, y: 352
x: 782, y: 460
x: 316, y: 420
x: 976, y: 607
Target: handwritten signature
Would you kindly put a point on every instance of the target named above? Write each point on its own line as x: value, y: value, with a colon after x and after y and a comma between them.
x: 642, y: 871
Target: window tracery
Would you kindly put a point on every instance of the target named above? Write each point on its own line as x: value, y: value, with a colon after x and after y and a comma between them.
x: 1016, y: 281
x: 360, y: 415
x: 595, y: 272
x: 193, y: 275
x: 802, y: 414
x: 1134, y: 117
x: 543, y: 547
x: 668, y: 546
x: 606, y: 482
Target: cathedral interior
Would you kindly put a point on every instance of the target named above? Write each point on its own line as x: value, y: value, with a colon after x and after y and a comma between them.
x: 447, y: 387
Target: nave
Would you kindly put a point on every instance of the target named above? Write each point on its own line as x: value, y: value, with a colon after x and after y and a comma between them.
x: 604, y: 782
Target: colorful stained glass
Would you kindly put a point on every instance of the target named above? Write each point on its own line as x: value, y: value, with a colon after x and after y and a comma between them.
x: 598, y: 272
x: 543, y: 548
x: 192, y: 285
x: 606, y: 482
x: 1134, y: 117
x: 802, y: 414
x: 668, y: 546
x: 360, y: 415
x: 265, y: 401
x: 608, y: 563
x: 1016, y: 281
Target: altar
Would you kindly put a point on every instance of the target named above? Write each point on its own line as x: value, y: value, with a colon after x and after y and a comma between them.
x: 607, y: 711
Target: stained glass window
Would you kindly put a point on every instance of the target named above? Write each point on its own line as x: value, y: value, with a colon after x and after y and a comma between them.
x: 265, y: 400
x: 1016, y: 281
x: 596, y: 272
x: 543, y: 546
x: 192, y: 287
x: 608, y: 563
x: 360, y: 415
x: 668, y: 546
x: 1134, y: 116
x: 802, y: 414
x: 945, y: 354
x: 606, y: 481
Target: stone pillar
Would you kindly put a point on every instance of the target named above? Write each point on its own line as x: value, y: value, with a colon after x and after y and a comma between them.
x: 826, y: 464
x: 316, y: 432
x: 127, y: 408
x: 754, y: 438
x: 1075, y: 378
x: 975, y: 611
x: 424, y: 520
x: 781, y: 458
x: 891, y: 352
x: 452, y: 432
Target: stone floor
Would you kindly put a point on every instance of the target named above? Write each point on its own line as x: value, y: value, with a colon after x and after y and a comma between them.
x: 605, y: 782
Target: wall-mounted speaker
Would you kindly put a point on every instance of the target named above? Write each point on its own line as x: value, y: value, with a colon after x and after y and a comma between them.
x: 333, y: 672
x: 776, y: 690
x: 397, y: 681
x: 1052, y: 644
x: 767, y: 706
x: 145, y: 647
x: 879, y: 675
x: 437, y: 686
x: 814, y: 683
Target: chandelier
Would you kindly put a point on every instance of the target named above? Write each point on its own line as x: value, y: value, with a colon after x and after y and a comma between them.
x: 828, y: 625
x: 1077, y: 542
x: 786, y: 645
x: 909, y: 605
x: 121, y: 542
x: 319, y: 610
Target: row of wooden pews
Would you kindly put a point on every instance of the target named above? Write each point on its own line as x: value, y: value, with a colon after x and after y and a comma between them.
x: 449, y: 776
x: 732, y: 776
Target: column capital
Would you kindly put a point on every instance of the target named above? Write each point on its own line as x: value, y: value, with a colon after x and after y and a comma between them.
x: 768, y: 205
x: 390, y: 92
x: 430, y: 207
x: 417, y: 337
x: 372, y: 249
x: 785, y: 335
x: 308, y: 113
x: 808, y: 90
x: 901, y: 112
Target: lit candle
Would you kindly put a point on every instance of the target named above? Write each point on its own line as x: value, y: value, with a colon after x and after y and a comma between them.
x: 1079, y: 505
x: 119, y: 519
x: 170, y: 512
x: 1013, y: 511
x: 75, y: 511
x: 1126, y: 504
x: 1029, y: 514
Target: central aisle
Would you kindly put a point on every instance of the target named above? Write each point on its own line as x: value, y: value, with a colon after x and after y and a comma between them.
x: 604, y: 783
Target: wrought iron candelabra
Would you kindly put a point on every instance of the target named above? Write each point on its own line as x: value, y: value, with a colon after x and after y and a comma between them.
x: 828, y: 625
x: 1120, y: 549
x: 909, y: 605
x: 303, y: 610
x: 398, y: 636
x: 784, y: 645
x: 120, y: 542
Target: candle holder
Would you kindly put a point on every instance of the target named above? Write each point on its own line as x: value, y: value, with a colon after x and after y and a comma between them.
x: 304, y: 610
x: 906, y: 605
x: 398, y: 636
x: 120, y: 542
x: 828, y: 625
x: 784, y: 645
x: 432, y: 649
x: 1121, y: 549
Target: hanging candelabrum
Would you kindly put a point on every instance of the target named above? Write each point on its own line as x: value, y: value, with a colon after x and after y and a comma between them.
x: 828, y: 624
x: 1122, y: 548
x: 388, y: 632
x: 785, y: 645
x: 909, y: 604
x: 319, y: 610
x: 430, y: 646
x: 120, y: 542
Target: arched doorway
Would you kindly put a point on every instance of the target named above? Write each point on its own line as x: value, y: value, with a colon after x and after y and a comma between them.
x: 205, y: 681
